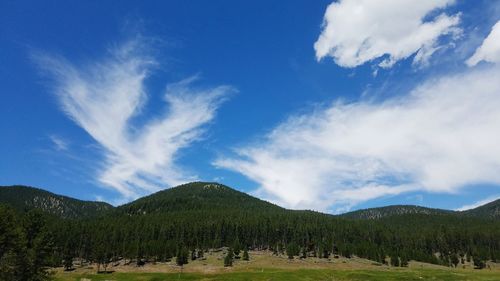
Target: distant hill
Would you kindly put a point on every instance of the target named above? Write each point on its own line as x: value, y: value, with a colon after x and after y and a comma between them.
x: 490, y: 210
x: 25, y: 198
x: 395, y: 210
x: 200, y: 196
x: 197, y: 196
x: 487, y: 211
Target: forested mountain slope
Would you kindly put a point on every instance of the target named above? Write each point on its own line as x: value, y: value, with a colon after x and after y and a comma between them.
x: 490, y: 210
x: 25, y: 198
x: 395, y: 210
x: 197, y: 196
x: 198, y: 216
x: 487, y: 211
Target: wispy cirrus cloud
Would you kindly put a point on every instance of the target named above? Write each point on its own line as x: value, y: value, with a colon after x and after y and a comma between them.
x: 59, y: 143
x: 440, y: 137
x: 103, y: 97
x: 359, y: 31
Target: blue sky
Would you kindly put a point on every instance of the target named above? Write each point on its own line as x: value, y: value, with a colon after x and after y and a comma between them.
x: 323, y: 105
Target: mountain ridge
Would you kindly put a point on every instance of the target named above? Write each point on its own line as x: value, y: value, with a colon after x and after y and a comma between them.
x: 25, y: 198
x: 195, y: 196
x: 394, y: 210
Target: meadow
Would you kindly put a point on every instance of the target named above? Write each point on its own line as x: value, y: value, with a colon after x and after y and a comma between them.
x: 288, y: 275
x: 265, y: 267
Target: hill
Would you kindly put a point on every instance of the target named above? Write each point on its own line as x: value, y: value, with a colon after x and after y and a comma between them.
x: 197, y: 196
x: 25, y: 198
x: 490, y: 210
x: 195, y: 218
x: 487, y: 211
x: 395, y: 210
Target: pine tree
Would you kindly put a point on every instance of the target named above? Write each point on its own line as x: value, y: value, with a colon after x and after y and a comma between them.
x: 292, y: 250
x: 182, y: 256
x: 454, y: 260
x: 303, y: 253
x: 404, y: 260
x: 246, y: 257
x: 39, y: 246
x: 478, y: 263
x: 394, y: 260
x: 68, y: 262
x: 236, y: 248
x: 228, y: 259
x: 12, y: 248
x: 193, y: 255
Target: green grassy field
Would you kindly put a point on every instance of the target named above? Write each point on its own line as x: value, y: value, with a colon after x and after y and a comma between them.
x: 301, y: 274
x: 264, y: 266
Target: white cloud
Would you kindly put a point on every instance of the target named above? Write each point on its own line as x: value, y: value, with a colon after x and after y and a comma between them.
x: 104, y: 96
x: 440, y: 137
x: 59, y: 143
x: 489, y: 51
x: 359, y: 31
x: 478, y: 203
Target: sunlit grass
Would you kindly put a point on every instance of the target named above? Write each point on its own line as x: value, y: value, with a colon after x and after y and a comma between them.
x: 301, y: 274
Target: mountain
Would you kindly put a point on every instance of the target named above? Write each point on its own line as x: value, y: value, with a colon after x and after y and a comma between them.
x: 394, y: 210
x: 25, y: 198
x: 201, y: 216
x: 490, y: 210
x: 487, y: 211
x: 197, y: 196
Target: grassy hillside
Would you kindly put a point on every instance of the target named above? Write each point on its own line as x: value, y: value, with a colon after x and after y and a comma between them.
x: 25, y: 198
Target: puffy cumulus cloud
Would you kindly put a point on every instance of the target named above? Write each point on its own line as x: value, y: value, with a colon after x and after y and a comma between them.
x: 102, y: 97
x: 440, y: 137
x: 359, y: 31
x: 489, y: 50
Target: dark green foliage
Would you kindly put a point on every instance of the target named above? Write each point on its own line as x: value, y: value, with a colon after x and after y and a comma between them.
x: 395, y: 210
x: 487, y: 211
x: 490, y: 210
x: 394, y: 260
x: 246, y: 257
x: 454, y: 260
x: 193, y: 255
x: 292, y: 250
x: 12, y: 252
x: 68, y: 263
x: 479, y: 263
x: 182, y: 221
x: 182, y: 256
x: 201, y: 196
x: 25, y: 246
x: 236, y: 248
x: 303, y: 253
x: 24, y: 198
x: 228, y: 259
x: 404, y: 260
x: 200, y: 254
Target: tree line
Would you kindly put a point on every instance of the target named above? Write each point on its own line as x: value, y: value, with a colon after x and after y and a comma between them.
x: 38, y: 241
